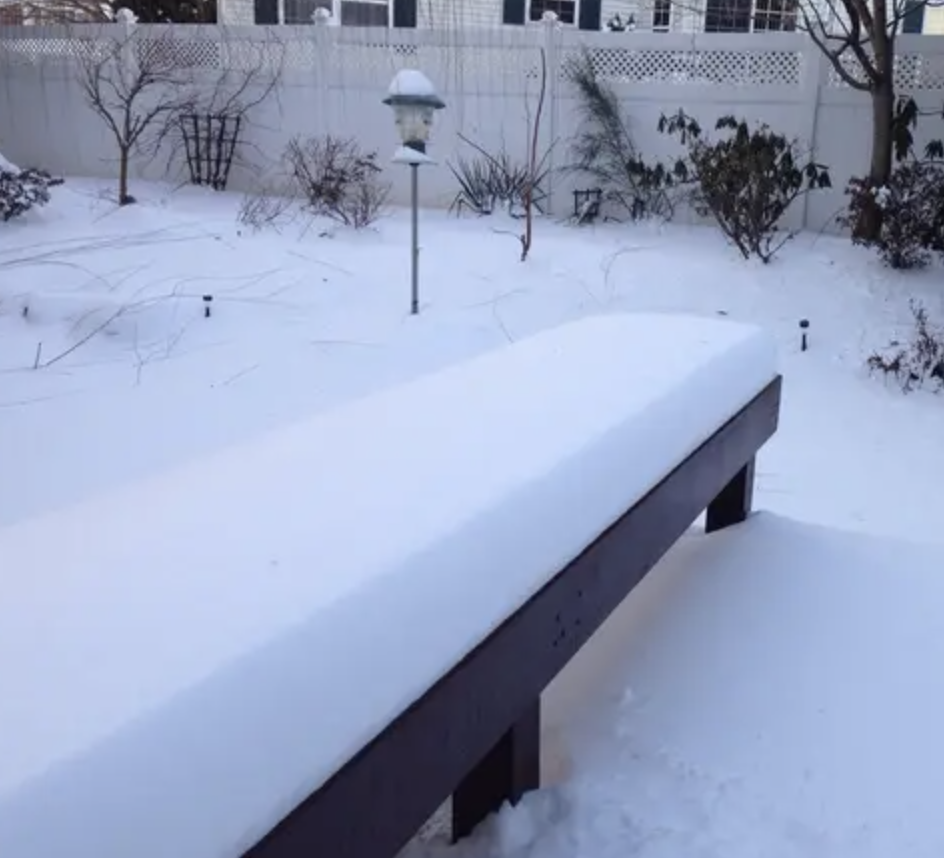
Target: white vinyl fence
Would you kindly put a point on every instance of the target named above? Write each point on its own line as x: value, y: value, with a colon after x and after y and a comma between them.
x: 332, y: 79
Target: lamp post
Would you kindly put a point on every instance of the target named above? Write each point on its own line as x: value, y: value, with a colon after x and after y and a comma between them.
x: 414, y: 101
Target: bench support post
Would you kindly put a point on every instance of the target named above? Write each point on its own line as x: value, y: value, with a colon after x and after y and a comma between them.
x: 733, y: 503
x: 506, y: 773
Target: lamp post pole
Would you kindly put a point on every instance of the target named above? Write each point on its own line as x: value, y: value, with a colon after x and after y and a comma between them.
x: 415, y: 215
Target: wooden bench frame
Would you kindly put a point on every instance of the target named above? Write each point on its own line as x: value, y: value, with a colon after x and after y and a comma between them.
x: 475, y: 735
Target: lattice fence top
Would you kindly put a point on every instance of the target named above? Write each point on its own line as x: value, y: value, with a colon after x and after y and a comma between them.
x: 179, y: 53
x: 705, y: 67
x: 299, y: 49
x: 39, y: 50
x: 913, y: 72
x: 484, y: 59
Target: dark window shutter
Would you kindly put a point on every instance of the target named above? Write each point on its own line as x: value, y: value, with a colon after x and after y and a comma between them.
x: 590, y: 14
x: 913, y: 22
x: 513, y: 12
x: 267, y: 11
x: 404, y: 13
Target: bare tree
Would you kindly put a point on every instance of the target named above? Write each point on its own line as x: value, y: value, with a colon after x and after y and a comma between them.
x: 145, y: 82
x: 137, y: 85
x: 858, y: 37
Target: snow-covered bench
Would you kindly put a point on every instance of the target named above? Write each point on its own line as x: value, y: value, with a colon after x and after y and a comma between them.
x: 303, y: 645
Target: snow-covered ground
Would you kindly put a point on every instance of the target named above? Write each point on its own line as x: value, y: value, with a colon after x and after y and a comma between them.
x: 769, y: 690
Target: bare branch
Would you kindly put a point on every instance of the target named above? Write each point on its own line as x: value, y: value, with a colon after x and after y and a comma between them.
x: 821, y: 37
x: 238, y: 91
x: 528, y: 235
x: 213, y: 128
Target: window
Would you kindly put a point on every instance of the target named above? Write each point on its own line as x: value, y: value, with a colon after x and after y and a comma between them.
x: 365, y: 13
x: 661, y: 15
x: 302, y: 11
x: 584, y: 14
x: 566, y: 10
x: 728, y: 16
x: 353, y: 13
x: 775, y: 15
x: 746, y: 16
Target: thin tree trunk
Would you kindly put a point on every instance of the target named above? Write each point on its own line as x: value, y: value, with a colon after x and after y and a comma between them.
x: 123, y: 196
x: 528, y: 236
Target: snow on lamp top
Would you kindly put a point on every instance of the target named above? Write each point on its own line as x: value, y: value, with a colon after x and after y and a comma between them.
x: 412, y: 83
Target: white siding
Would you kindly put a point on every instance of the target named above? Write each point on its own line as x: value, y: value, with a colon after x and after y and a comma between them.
x: 236, y: 13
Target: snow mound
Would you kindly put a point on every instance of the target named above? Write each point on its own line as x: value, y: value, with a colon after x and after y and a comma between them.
x: 767, y: 664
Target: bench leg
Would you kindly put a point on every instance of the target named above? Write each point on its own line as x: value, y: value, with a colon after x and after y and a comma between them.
x: 507, y: 772
x: 734, y: 501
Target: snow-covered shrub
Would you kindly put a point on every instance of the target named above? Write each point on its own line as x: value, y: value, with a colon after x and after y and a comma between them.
x: 337, y: 179
x: 917, y: 363
x: 912, y: 213
x: 21, y: 190
x: 264, y: 207
x: 746, y: 180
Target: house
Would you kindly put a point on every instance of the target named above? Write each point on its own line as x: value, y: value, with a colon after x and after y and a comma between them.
x: 730, y: 16
x: 585, y: 14
x: 14, y: 13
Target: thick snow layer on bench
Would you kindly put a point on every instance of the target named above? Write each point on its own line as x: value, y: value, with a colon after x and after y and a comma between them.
x: 183, y: 661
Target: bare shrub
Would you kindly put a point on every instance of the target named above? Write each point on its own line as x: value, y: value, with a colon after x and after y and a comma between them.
x: 337, y: 179
x: 264, y: 208
x: 365, y: 203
